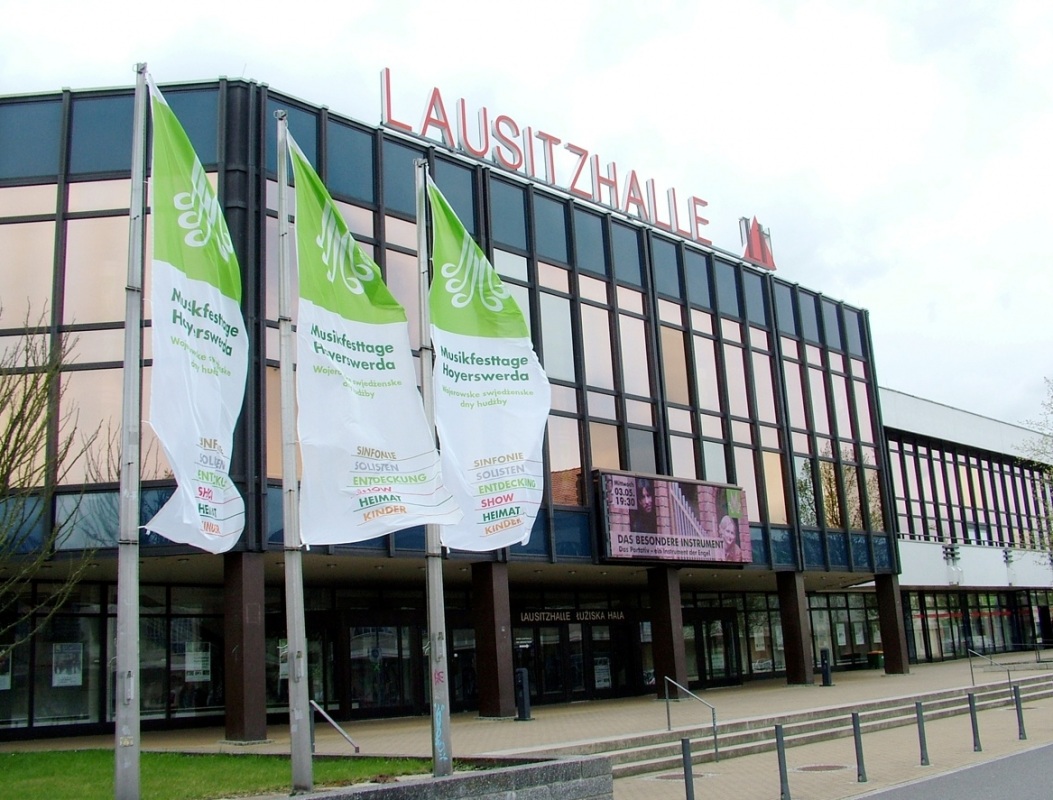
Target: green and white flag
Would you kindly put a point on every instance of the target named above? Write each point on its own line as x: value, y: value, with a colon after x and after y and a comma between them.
x: 200, y: 348
x: 370, y: 464
x: 491, y: 396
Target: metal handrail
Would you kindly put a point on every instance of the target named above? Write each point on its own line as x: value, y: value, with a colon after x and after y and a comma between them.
x: 712, y: 709
x: 332, y: 722
x: 972, y: 677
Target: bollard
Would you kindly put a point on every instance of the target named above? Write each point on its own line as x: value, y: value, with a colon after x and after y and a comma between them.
x: 824, y: 663
x: 861, y: 770
x: 784, y: 781
x: 522, y: 683
x: 976, y: 728
x: 921, y: 734
x: 1019, y: 713
x: 689, y: 777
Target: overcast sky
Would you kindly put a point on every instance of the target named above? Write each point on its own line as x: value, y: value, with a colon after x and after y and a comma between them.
x: 900, y: 152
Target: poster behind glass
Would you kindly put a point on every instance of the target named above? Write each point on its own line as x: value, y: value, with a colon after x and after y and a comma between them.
x: 664, y: 519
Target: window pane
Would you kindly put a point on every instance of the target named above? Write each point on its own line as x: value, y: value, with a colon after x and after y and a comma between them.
x: 103, y: 195
x: 641, y: 450
x: 746, y: 477
x: 763, y: 385
x: 565, y: 460
x: 839, y: 384
x: 706, y: 373
x: 666, y: 269
x: 753, y: 290
x: 774, y: 490
x: 30, y: 139
x: 736, y: 378
x: 682, y: 453
x: 400, y: 193
x: 508, y: 214
x: 93, y: 398
x: 674, y: 366
x: 26, y: 268
x: 809, y: 316
x: 831, y: 499
x: 456, y: 184
x: 727, y: 289
x: 349, y: 167
x: 605, y: 450
x: 866, y: 426
x: 696, y: 272
x: 626, y: 244
x: 402, y: 278
x: 806, y: 508
x: 550, y: 228
x: 16, y: 201
x: 832, y: 325
x: 557, y: 339
x: 853, y: 336
x: 818, y: 395
x: 635, y: 377
x: 715, y: 461
x: 794, y: 394
x: 101, y: 139
x: 853, y: 502
x: 596, y: 336
x: 588, y: 243
x: 96, y: 270
x: 784, y: 309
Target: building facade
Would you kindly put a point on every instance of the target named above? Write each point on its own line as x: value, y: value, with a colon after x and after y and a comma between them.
x: 674, y: 365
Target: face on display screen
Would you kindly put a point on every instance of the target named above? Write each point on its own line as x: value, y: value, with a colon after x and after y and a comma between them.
x: 654, y: 518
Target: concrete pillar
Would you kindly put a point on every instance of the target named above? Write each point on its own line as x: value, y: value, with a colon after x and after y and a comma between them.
x: 796, y: 627
x: 493, y: 640
x: 667, y: 628
x: 890, y: 618
x: 244, y: 645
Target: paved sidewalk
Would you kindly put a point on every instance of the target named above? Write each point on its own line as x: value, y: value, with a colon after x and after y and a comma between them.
x: 823, y: 771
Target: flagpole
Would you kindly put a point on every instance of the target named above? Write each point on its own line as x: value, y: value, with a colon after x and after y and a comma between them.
x: 299, y: 706
x: 126, y: 749
x: 441, y: 749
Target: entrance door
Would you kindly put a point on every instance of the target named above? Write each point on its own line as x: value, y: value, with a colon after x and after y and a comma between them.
x: 711, y: 644
x: 382, y: 669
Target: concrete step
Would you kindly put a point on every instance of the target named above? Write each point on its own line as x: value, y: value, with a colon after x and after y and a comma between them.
x: 662, y: 750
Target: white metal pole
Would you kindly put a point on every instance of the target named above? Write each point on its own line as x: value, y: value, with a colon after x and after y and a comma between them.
x: 299, y: 705
x: 441, y: 749
x: 126, y: 745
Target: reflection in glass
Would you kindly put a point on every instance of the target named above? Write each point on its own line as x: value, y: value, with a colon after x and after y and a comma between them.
x: 596, y: 339
x: 682, y: 454
x: 872, y: 488
x: 642, y: 456
x: 606, y: 453
x: 866, y: 425
x: 746, y: 477
x: 818, y: 395
x: 28, y: 263
x: 806, y: 508
x: 774, y: 490
x: 831, y: 499
x: 735, y: 372
x: 844, y: 420
x: 853, y: 501
x: 706, y: 374
x: 674, y: 366
x: 564, y: 450
x: 557, y: 341
x: 511, y: 265
x: 715, y: 462
x: 635, y: 373
x: 763, y: 385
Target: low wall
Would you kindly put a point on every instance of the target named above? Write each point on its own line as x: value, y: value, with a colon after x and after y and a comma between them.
x: 565, y: 779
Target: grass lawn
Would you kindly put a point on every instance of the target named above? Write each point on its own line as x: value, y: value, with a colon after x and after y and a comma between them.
x: 88, y: 774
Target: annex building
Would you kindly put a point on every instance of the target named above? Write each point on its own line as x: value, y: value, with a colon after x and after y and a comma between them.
x: 688, y: 385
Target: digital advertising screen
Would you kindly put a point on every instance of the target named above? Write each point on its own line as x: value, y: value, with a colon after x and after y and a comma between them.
x: 663, y: 519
